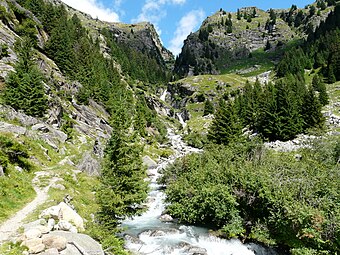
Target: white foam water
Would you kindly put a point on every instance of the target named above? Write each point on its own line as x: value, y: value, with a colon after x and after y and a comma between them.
x: 147, y: 234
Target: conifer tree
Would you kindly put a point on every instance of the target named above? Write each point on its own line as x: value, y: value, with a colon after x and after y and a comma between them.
x: 226, y: 126
x: 320, y: 86
x: 24, y: 87
x: 122, y: 181
x: 239, y: 15
x: 208, y: 107
x: 312, y: 115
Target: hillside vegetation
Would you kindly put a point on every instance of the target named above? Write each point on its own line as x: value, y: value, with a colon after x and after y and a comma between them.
x: 86, y: 105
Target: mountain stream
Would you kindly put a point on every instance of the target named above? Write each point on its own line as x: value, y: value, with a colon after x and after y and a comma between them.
x: 147, y: 234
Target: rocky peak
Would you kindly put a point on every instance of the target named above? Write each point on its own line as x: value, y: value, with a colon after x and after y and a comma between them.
x: 144, y: 38
x: 225, y: 37
x: 141, y: 36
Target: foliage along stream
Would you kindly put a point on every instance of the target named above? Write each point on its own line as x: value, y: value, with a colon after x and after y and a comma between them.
x: 147, y: 234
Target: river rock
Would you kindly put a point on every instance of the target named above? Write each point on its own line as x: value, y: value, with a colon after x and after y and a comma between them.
x: 54, y: 241
x: 166, y: 218
x: 193, y: 250
x: 197, y: 251
x: 149, y: 162
x: 133, y: 239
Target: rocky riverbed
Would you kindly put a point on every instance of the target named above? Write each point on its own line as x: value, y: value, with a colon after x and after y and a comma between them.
x: 157, y: 233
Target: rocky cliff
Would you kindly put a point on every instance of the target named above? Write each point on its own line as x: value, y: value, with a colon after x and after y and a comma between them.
x: 226, y: 37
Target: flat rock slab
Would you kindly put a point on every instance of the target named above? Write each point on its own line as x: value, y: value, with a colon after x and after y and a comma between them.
x: 83, y: 243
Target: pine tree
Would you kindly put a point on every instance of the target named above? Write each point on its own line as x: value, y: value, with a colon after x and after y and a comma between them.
x: 24, y: 87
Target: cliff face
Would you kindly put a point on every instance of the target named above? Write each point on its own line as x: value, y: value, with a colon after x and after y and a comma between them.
x: 226, y: 37
x: 142, y: 37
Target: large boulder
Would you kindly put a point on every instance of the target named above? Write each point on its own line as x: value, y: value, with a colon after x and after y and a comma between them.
x: 54, y: 242
x: 34, y: 245
x: 32, y: 233
x: 68, y: 214
x: 51, y: 212
x: 82, y: 242
x: 149, y: 162
x: 63, y: 213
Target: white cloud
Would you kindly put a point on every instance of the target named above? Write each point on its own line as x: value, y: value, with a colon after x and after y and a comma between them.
x: 117, y: 3
x: 153, y: 10
x: 95, y: 9
x: 185, y: 26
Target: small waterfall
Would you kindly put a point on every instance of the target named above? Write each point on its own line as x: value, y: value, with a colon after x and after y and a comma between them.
x: 147, y: 234
x: 164, y: 95
x: 179, y: 116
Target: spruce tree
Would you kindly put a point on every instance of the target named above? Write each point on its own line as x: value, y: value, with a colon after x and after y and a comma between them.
x: 239, y: 15
x: 312, y: 115
x: 319, y: 86
x: 226, y: 126
x: 208, y: 107
x: 24, y: 87
x: 289, y: 119
x: 122, y: 181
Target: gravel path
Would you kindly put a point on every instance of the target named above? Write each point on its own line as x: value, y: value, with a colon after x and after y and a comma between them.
x: 10, y: 227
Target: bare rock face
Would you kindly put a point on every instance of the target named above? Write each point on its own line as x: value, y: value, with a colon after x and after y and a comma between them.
x: 89, y: 165
x: 213, y: 47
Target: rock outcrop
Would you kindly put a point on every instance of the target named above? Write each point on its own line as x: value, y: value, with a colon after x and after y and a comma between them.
x: 57, y: 233
x: 216, y: 45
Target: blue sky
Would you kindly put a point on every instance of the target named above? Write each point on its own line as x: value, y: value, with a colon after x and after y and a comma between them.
x: 173, y: 19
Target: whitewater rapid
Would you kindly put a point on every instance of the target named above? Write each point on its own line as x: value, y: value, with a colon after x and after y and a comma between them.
x: 147, y: 234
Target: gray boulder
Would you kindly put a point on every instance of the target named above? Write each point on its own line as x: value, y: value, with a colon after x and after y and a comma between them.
x: 54, y: 242
x: 6, y: 127
x: 149, y: 162
x: 82, y: 242
x: 2, y: 173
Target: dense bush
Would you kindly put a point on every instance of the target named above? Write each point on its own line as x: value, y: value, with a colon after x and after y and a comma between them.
x: 246, y: 191
x: 14, y: 153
